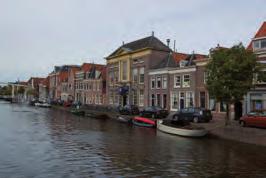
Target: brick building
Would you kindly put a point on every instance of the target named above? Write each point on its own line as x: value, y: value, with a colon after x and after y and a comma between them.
x: 128, y: 68
x: 90, y: 84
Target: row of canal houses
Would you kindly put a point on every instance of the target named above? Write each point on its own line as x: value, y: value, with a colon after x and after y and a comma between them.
x: 147, y: 72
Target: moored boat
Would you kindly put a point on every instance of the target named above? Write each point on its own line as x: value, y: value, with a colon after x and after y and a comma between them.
x: 185, y: 131
x: 123, y: 118
x: 78, y: 112
x: 143, y: 122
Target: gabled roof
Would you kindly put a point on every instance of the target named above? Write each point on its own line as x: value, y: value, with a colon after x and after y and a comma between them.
x: 179, y: 56
x: 45, y: 82
x: 36, y: 80
x: 149, y: 42
x: 173, y: 59
x: 167, y: 62
x: 260, y: 33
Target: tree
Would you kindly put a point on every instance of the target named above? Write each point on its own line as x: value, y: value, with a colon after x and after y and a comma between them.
x: 230, y: 74
x: 21, y: 90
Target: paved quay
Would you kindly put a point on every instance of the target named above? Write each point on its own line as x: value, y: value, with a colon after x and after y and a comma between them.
x: 235, y: 132
x: 216, y: 128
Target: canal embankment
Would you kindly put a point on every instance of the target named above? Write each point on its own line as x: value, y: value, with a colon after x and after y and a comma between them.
x: 216, y: 127
x: 235, y: 132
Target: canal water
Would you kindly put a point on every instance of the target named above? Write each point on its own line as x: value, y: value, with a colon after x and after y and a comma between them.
x: 42, y: 143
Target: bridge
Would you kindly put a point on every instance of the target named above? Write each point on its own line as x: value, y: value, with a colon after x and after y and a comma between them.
x: 14, y: 86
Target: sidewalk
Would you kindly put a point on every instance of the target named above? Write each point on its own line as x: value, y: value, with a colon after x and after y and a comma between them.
x: 235, y: 132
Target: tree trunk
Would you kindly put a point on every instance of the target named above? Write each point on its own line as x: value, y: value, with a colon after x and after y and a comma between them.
x: 227, y: 117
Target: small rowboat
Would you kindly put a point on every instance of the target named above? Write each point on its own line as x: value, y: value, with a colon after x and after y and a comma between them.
x: 181, y: 131
x: 143, y: 122
x: 125, y: 119
x: 78, y: 112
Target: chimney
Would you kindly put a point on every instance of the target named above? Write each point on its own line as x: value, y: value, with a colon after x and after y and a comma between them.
x: 123, y: 43
x: 168, y: 42
x: 152, y: 33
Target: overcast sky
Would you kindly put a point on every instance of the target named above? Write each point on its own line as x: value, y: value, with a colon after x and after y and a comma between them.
x: 35, y: 35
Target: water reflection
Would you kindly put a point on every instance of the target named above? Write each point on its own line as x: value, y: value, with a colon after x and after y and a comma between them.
x: 39, y: 142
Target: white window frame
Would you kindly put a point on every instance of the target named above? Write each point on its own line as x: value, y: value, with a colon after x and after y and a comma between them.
x: 176, y: 94
x: 188, y: 95
x: 141, y: 98
x: 141, y: 72
x: 159, y: 99
x: 135, y: 75
x: 175, y: 81
x: 160, y: 77
x: 184, y: 85
x: 153, y: 81
x: 124, y: 66
x: 164, y: 82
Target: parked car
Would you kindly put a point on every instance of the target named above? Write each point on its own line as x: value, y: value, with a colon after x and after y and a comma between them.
x: 154, y: 112
x: 255, y: 119
x: 129, y: 110
x: 67, y: 103
x: 192, y: 114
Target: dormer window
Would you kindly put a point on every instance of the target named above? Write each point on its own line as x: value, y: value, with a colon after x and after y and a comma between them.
x: 182, y: 63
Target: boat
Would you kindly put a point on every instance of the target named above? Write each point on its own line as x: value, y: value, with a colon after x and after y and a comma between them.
x: 123, y: 118
x: 185, y: 131
x: 143, y: 122
x: 78, y: 112
x: 42, y: 104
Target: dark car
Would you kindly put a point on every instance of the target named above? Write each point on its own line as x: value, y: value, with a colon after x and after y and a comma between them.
x: 254, y: 119
x: 193, y: 114
x: 154, y: 112
x: 129, y: 110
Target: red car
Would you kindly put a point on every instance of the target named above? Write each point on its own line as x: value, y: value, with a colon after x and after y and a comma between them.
x: 255, y: 119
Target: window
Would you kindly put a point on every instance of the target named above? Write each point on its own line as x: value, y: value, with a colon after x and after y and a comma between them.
x: 259, y: 44
x: 263, y: 43
x: 135, y: 97
x: 202, y: 99
x: 141, y: 75
x: 189, y: 99
x: 177, y: 81
x: 152, y: 82
x: 222, y: 106
x: 182, y: 63
x: 115, y: 76
x: 124, y: 70
x: 256, y: 44
x: 135, y: 75
x: 205, y: 77
x: 141, y: 97
x: 212, y: 104
x: 158, y: 100
x: 174, y: 100
x: 111, y: 101
x: 111, y: 78
x: 164, y: 82
x: 158, y: 82
x: 100, y: 99
x: 186, y: 80
x: 152, y: 100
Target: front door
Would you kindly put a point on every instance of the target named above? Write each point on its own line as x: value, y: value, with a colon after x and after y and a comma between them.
x: 124, y: 100
x: 182, y: 100
x: 238, y: 110
x: 164, y: 101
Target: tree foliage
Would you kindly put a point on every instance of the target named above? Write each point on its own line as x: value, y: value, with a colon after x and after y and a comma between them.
x: 6, y: 90
x: 230, y: 74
